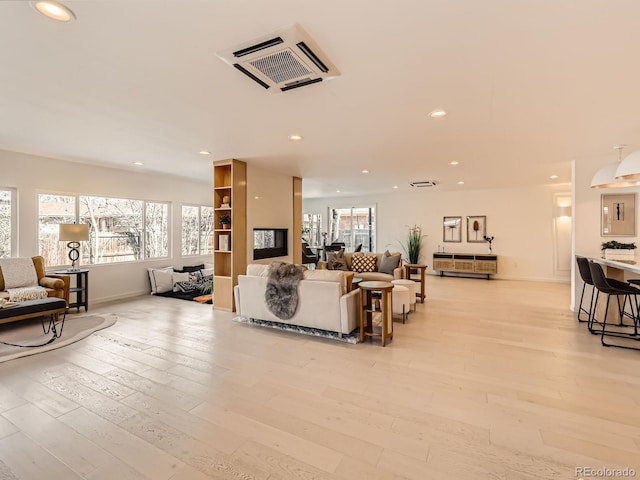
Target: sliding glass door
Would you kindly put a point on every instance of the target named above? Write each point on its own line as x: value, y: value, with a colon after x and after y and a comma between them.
x: 353, y: 226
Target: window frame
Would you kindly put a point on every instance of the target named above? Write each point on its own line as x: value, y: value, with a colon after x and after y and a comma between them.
x: 13, y: 224
x: 78, y: 196
x: 372, y: 229
x: 200, y: 251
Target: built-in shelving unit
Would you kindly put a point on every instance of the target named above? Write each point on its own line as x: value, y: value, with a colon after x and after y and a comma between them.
x: 230, y: 247
x: 466, y: 263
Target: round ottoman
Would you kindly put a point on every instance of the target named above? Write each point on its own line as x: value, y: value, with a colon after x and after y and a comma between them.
x: 400, y: 301
x: 411, y: 285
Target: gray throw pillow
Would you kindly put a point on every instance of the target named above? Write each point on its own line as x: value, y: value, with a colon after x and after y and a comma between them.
x: 389, y: 262
x: 336, y: 261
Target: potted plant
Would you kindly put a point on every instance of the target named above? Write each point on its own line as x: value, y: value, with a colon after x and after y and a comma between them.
x: 225, y: 220
x: 413, y: 244
x: 614, y: 250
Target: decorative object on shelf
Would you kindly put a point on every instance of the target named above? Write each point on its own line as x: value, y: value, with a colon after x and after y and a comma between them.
x: 225, y: 220
x: 223, y: 243
x: 614, y: 250
x: 618, y: 214
x: 451, y: 231
x: 476, y: 228
x: 74, y: 233
x: 489, y: 240
x: 413, y: 244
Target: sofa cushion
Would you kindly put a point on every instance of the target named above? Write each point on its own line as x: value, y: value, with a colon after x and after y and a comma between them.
x: 161, y: 280
x: 338, y: 276
x: 336, y: 260
x: 189, y: 268
x: 258, y: 270
x: 178, y: 278
x: 374, y: 277
x: 389, y: 262
x: 363, y: 263
x: 18, y: 272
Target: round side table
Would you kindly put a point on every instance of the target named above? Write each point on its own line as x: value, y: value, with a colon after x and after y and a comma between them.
x: 416, y: 266
x: 369, y: 308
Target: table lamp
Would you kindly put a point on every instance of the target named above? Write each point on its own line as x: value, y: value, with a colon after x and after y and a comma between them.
x: 74, y: 233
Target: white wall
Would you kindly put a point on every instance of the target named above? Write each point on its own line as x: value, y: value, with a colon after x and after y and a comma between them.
x: 31, y: 175
x: 521, y: 219
x: 269, y: 205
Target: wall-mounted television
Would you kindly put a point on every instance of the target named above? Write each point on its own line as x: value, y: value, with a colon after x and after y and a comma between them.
x: 270, y: 242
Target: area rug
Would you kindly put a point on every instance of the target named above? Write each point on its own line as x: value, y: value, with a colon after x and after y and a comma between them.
x: 353, y: 337
x: 29, y: 332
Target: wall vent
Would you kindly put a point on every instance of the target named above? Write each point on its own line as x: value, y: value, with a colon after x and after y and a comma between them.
x: 423, y: 184
x: 281, y: 61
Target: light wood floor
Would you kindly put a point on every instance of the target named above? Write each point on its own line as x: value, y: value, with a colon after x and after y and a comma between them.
x: 488, y: 380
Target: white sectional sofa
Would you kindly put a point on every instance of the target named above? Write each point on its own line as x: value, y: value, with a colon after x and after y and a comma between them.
x: 324, y: 301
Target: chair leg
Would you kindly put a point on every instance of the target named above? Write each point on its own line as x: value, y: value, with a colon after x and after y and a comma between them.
x: 580, y: 309
x: 592, y: 317
x: 634, y: 315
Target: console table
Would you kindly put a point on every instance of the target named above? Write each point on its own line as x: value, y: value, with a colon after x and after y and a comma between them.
x: 466, y: 263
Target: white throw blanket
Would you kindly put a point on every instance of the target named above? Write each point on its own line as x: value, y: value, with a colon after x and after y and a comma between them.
x: 26, y: 293
x: 18, y: 272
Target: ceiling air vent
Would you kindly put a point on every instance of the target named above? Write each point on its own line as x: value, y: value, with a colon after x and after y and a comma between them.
x: 281, y: 61
x: 423, y: 184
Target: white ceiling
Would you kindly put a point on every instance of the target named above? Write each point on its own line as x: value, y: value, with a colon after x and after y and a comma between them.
x: 528, y: 86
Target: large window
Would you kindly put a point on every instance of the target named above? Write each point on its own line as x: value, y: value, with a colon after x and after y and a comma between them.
x: 311, y: 228
x: 53, y: 210
x: 120, y: 229
x: 197, y: 230
x: 7, y: 222
x: 353, y: 226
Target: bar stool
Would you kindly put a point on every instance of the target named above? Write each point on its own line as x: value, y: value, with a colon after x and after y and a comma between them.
x: 585, y: 274
x: 619, y: 289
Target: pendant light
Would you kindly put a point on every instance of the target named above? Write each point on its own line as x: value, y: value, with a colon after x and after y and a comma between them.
x: 606, y: 176
x: 629, y: 168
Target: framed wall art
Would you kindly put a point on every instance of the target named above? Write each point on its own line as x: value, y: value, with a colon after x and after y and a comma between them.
x: 618, y: 215
x: 452, y: 229
x: 476, y: 228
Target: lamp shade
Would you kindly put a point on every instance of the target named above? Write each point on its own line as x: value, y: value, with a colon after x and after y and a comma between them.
x: 629, y: 168
x: 606, y: 178
x: 73, y: 232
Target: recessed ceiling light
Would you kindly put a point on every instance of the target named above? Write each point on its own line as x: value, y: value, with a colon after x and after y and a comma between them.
x: 437, y: 113
x: 337, y: 191
x: 295, y: 137
x: 460, y: 182
x: 395, y: 186
x: 257, y: 198
x: 55, y: 11
x: 138, y: 163
x: 454, y: 163
x: 204, y: 152
x: 553, y: 177
x: 365, y: 171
